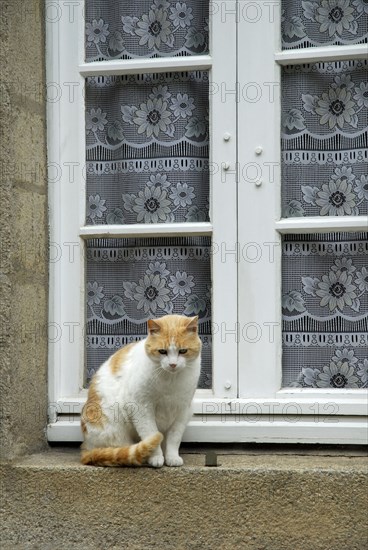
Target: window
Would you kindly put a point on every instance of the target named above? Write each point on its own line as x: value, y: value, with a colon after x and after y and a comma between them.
x: 171, y: 190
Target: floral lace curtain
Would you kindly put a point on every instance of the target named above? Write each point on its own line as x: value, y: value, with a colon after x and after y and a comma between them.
x: 324, y: 143
x: 133, y: 280
x: 147, y: 148
x: 325, y: 310
x: 121, y: 29
x: 323, y: 23
x: 325, y: 139
x: 146, y: 162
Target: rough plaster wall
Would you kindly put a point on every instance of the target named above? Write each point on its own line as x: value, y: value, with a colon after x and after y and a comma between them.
x: 23, y: 228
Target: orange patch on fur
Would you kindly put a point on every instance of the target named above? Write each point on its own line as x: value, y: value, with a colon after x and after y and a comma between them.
x: 182, y: 330
x: 92, y: 410
x: 106, y: 456
x: 117, y: 360
x: 133, y: 455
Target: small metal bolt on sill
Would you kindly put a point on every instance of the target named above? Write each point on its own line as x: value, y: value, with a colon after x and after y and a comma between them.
x: 211, y: 459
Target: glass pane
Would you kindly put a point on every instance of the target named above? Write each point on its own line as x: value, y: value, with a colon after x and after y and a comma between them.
x: 325, y: 310
x: 122, y: 29
x: 325, y: 139
x: 308, y: 24
x: 132, y: 280
x: 147, y: 148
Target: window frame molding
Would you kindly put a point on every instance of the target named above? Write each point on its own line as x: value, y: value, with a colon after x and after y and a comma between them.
x: 218, y: 412
x: 65, y: 54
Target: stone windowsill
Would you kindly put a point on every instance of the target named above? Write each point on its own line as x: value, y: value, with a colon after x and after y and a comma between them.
x: 258, y: 498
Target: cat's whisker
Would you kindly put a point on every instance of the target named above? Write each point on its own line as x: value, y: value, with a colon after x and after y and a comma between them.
x: 157, y: 375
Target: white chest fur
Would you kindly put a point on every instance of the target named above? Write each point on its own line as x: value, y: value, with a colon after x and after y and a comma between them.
x: 142, y: 386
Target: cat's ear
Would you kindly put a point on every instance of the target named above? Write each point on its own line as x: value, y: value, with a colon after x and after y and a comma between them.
x: 192, y: 326
x: 153, y: 326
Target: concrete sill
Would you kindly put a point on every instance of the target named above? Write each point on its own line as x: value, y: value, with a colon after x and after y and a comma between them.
x: 255, y: 499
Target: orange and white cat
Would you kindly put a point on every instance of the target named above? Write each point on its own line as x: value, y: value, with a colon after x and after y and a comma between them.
x: 139, y: 400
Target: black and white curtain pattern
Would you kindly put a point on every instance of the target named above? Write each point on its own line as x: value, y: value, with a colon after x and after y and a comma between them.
x: 313, y: 23
x: 133, y: 280
x: 147, y: 139
x: 324, y: 143
x: 324, y: 139
x: 147, y: 162
x: 147, y: 148
x: 122, y: 29
x: 325, y: 310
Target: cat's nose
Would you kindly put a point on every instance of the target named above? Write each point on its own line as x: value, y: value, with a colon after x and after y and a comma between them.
x: 173, y: 365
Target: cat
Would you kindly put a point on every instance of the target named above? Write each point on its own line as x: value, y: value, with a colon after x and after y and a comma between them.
x: 141, y: 397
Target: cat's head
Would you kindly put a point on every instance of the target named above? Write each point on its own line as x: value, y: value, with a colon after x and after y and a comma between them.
x: 173, y: 341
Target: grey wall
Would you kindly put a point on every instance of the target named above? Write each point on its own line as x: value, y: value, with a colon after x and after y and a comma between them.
x: 23, y: 228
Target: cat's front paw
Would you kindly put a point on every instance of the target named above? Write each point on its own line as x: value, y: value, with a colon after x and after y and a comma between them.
x: 156, y: 461
x: 174, y: 460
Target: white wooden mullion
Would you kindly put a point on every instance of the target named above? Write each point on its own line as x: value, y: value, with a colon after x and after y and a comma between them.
x: 278, y: 429
x: 223, y: 197
x: 259, y: 253
x: 82, y: 187
x: 350, y: 394
x: 313, y: 403
x: 140, y: 66
x: 321, y: 224
x: 65, y: 128
x: 147, y: 230
x: 321, y: 54
x: 54, y: 192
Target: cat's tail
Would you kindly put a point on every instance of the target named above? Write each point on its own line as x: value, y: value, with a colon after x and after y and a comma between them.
x: 132, y: 455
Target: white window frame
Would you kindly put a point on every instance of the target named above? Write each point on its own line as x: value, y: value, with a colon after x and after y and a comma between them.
x: 246, y: 402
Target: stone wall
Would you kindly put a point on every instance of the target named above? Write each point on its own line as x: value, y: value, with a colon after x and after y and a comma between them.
x: 23, y: 228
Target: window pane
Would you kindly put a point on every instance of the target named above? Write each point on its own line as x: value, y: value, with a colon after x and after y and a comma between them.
x: 147, y: 148
x: 338, y: 22
x: 325, y: 310
x: 132, y: 280
x: 325, y: 139
x: 122, y: 29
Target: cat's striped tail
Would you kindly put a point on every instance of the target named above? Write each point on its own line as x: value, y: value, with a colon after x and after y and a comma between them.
x: 132, y: 455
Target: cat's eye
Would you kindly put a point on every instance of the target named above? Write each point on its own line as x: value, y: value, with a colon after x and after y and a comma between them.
x: 162, y: 351
x: 183, y: 351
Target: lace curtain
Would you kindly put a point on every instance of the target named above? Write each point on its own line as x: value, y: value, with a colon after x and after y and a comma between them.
x: 133, y: 280
x: 121, y: 29
x: 324, y: 140
x: 325, y: 305
x: 147, y: 148
x: 324, y: 23
x: 146, y: 162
